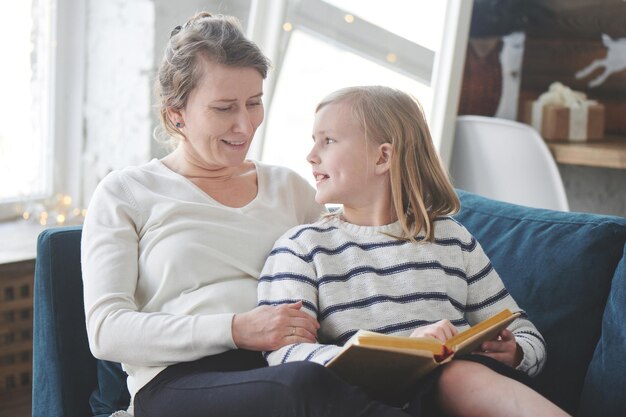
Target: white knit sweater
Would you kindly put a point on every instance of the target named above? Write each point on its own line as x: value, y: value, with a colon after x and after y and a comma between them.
x: 165, y: 267
x: 356, y: 277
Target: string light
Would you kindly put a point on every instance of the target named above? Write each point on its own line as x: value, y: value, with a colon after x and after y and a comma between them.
x: 348, y: 18
x: 55, y: 211
x: 287, y: 27
x: 391, y: 57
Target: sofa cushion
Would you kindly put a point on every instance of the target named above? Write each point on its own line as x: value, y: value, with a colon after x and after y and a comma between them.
x: 606, y: 377
x: 558, y: 266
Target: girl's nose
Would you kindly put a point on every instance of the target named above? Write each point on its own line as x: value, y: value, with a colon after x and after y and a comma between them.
x: 313, y: 158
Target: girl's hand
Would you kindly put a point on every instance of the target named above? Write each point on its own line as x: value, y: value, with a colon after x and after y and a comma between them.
x: 270, y: 328
x: 504, y: 349
x: 441, y: 330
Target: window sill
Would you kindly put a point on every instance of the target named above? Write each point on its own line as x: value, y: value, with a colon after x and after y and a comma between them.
x: 18, y: 241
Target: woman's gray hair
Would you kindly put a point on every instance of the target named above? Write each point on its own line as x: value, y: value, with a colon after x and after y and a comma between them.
x: 219, y: 38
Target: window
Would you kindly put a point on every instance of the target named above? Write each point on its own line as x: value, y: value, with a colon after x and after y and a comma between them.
x: 41, y: 110
x: 319, y: 46
x: 26, y: 33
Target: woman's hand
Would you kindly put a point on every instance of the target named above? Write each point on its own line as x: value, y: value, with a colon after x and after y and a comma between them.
x: 270, y: 328
x: 504, y: 349
x: 441, y: 330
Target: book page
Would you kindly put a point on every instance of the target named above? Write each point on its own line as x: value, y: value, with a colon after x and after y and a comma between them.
x: 382, y: 341
x: 470, y: 339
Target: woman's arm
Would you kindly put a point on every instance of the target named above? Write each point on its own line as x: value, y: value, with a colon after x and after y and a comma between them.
x: 271, y: 327
x: 116, y: 327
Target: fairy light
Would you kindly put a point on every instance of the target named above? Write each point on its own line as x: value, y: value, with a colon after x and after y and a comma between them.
x: 287, y: 27
x: 391, y: 57
x: 348, y: 18
x: 57, y: 210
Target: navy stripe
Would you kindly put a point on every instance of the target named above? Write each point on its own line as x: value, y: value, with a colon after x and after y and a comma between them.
x: 317, y: 229
x: 396, y: 327
x: 413, y: 324
x: 489, y: 301
x: 467, y: 247
x: 314, y: 352
x: 305, y: 303
x: 286, y: 356
x: 481, y: 274
x: 308, y: 257
x: 334, y: 251
x: 367, y: 302
x: 390, y: 270
x: 281, y: 276
x: 532, y: 334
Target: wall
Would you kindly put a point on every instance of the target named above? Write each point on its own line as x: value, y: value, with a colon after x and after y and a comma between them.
x: 119, y: 57
x: 595, y: 190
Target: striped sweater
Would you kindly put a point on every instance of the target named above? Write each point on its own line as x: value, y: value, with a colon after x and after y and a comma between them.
x: 353, y: 277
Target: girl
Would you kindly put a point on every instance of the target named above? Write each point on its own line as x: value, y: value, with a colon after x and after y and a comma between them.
x: 393, y: 261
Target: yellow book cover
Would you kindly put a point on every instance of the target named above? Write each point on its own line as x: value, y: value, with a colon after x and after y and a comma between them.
x: 384, y: 364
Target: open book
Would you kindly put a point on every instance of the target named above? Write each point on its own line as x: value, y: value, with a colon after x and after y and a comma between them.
x: 384, y: 364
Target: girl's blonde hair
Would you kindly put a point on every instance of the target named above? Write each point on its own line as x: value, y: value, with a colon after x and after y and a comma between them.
x: 420, y: 188
x: 219, y: 38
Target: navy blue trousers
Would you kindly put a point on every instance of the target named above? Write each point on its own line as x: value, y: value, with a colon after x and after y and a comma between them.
x: 239, y: 383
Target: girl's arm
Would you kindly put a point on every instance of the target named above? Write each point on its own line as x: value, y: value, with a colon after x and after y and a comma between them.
x: 486, y: 296
x: 288, y: 277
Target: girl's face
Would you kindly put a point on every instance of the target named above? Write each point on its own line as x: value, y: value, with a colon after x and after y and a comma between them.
x: 221, y: 115
x: 343, y: 163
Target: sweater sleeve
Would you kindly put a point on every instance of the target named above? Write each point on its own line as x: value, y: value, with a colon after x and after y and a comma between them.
x: 287, y: 277
x: 116, y: 328
x: 487, y: 296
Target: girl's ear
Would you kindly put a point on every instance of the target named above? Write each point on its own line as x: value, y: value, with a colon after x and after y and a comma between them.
x: 384, y: 158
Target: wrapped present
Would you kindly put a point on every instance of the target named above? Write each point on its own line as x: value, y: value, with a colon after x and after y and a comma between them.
x: 561, y: 113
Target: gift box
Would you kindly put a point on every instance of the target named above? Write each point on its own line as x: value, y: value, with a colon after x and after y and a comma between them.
x: 563, y: 114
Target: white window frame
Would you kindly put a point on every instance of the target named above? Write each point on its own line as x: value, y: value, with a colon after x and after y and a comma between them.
x: 443, y: 71
x: 69, y: 98
x: 65, y: 101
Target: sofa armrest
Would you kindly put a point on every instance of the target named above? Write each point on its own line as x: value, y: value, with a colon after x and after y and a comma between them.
x: 64, y: 371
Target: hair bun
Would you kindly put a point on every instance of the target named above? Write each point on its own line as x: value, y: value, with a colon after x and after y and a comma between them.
x: 176, y: 30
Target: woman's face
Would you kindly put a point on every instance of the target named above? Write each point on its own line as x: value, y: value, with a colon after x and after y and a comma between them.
x: 222, y: 115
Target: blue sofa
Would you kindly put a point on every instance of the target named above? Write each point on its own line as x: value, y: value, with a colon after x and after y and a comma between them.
x: 567, y: 270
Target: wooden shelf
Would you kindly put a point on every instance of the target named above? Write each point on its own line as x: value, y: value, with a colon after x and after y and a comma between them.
x: 608, y: 153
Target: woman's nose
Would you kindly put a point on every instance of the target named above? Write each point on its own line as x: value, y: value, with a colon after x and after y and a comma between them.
x: 243, y: 124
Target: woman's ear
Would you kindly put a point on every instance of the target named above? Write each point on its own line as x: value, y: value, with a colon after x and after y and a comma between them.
x: 384, y: 158
x: 175, y: 116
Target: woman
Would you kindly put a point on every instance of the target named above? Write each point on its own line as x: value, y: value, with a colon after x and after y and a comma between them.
x: 172, y: 251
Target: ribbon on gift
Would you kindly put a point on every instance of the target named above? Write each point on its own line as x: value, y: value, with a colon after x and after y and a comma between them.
x: 576, y: 101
